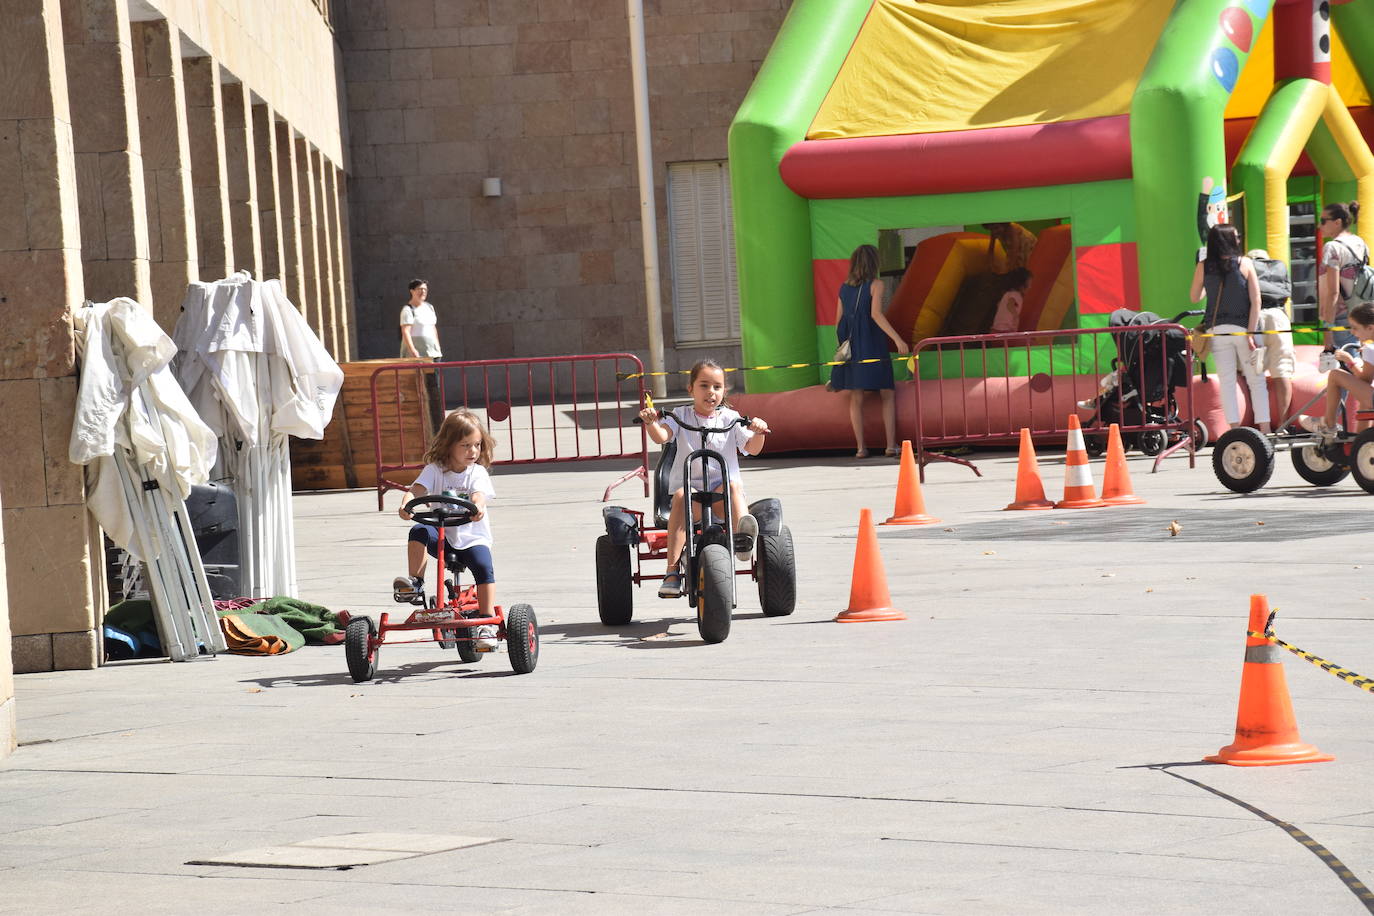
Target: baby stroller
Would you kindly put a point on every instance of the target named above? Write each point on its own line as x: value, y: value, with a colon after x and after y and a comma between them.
x: 1150, y: 366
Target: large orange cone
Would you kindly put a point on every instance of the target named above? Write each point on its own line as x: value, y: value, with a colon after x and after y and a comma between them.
x: 1116, y: 480
x: 868, y: 597
x: 1078, y: 477
x: 1030, y: 490
x: 1266, y: 734
x: 911, y: 505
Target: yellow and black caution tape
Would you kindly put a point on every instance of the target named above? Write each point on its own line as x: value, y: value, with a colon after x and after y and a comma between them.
x: 1345, y: 674
x: 1295, y: 329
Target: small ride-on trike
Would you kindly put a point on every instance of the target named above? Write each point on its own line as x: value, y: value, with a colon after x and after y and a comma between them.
x: 709, y: 567
x: 451, y: 613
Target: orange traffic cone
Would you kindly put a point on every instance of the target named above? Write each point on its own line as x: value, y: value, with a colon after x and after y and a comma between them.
x: 1116, y: 480
x: 1078, y: 477
x: 1030, y: 491
x: 868, y: 597
x: 1266, y: 734
x: 910, y: 508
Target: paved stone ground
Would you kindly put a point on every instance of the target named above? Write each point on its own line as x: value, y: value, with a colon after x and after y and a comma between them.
x: 1026, y: 742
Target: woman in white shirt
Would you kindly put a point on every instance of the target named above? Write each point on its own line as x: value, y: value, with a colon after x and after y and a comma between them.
x: 420, y: 340
x: 1342, y: 256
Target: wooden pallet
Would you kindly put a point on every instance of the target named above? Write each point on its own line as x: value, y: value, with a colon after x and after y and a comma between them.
x: 345, y: 458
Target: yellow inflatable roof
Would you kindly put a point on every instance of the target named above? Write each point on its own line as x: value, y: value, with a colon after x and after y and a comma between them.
x: 939, y: 65
x: 1252, y: 89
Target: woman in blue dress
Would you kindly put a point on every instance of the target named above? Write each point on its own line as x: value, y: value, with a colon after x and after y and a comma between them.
x: 859, y: 319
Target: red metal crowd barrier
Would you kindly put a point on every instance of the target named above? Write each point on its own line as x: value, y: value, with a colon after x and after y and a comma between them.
x: 540, y: 410
x: 986, y: 387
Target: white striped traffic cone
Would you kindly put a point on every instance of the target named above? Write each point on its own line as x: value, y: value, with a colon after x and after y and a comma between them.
x: 1079, y: 492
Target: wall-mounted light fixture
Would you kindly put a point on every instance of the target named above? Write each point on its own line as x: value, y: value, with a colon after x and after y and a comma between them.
x: 491, y: 187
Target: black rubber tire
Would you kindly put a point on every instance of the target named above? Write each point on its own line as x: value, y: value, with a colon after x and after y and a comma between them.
x: 1094, y: 445
x: 777, y: 570
x: 1362, y: 460
x: 1243, y: 459
x: 1153, y: 441
x: 615, y: 597
x: 362, y: 661
x: 467, y: 652
x: 1200, y: 435
x: 715, y: 592
x: 1314, y: 465
x: 522, y: 638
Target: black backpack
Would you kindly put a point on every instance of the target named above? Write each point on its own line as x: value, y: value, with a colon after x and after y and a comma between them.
x: 1275, y: 287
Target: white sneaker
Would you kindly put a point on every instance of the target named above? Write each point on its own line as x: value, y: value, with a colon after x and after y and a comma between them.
x: 1317, y: 426
x: 746, y: 531
x: 484, y: 639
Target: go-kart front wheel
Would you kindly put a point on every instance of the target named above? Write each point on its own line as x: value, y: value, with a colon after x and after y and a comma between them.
x: 1243, y: 459
x: 1320, y: 465
x: 615, y: 600
x: 1362, y: 460
x: 777, y: 573
x: 715, y: 592
x: 522, y: 638
x: 358, y: 649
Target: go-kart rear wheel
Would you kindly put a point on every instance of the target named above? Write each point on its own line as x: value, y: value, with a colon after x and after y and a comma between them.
x: 615, y: 600
x: 359, y: 650
x: 467, y: 651
x: 715, y: 592
x: 1320, y: 465
x: 522, y: 638
x: 1362, y: 460
x: 1243, y: 459
x: 777, y: 569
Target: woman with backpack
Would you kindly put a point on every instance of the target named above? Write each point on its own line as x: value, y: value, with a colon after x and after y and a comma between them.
x: 1344, y: 256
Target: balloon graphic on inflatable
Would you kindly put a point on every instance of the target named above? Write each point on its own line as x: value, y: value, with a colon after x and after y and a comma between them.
x: 1225, y: 67
x: 1235, y: 22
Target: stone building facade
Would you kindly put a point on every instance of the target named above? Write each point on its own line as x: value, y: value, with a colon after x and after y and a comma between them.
x: 144, y: 144
x: 537, y: 93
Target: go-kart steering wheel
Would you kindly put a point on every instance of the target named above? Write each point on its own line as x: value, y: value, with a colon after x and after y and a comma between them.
x: 443, y: 511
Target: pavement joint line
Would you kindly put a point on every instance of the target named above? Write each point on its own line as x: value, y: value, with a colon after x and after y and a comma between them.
x: 825, y: 796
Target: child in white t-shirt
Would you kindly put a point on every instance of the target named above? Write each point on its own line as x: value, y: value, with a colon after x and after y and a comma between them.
x: 456, y: 462
x: 1358, y: 377
x: 706, y: 383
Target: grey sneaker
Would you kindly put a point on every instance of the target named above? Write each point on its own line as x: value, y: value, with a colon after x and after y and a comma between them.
x: 672, y: 584
x: 745, y: 533
x: 484, y: 638
x: 404, y: 588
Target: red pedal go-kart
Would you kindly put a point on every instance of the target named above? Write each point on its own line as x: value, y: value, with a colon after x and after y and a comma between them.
x: 451, y: 614
x: 709, y: 565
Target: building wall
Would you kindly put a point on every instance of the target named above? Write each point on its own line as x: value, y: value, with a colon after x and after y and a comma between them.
x: 142, y: 145
x: 537, y: 93
x: 7, y: 713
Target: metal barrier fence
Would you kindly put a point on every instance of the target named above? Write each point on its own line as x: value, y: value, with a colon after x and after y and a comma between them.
x: 983, y: 388
x: 540, y: 410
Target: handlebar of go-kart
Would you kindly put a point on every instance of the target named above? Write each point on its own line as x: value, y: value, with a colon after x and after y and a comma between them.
x: 447, y: 511
x: 738, y: 421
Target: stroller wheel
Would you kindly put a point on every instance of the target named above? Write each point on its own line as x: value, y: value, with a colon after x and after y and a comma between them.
x: 1095, y: 445
x: 1153, y: 441
x: 1200, y: 439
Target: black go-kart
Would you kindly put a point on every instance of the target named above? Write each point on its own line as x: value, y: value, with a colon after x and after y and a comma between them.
x: 709, y: 564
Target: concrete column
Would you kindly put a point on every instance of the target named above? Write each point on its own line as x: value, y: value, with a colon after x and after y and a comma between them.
x: 46, y: 554
x: 240, y: 163
x: 345, y: 238
x: 109, y: 164
x: 324, y: 230
x: 310, y: 255
x: 163, y: 133
x: 209, y: 178
x: 269, y: 212
x: 288, y: 204
x: 8, y: 735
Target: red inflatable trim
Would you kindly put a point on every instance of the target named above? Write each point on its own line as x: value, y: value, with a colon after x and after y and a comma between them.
x: 827, y: 275
x: 987, y: 159
x: 1108, y: 278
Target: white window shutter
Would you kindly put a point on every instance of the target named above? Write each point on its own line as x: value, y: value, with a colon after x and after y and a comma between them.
x: 705, y: 293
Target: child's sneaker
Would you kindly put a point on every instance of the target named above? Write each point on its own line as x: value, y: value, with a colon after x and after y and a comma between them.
x: 404, y: 588
x: 484, y: 638
x: 1317, y: 425
x: 672, y: 584
x: 745, y: 532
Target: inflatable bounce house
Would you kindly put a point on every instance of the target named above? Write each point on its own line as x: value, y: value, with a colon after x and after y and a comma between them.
x: 1108, y: 134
